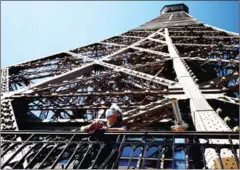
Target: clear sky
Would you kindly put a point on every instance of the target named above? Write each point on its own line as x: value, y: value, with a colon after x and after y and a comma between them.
x: 36, y: 29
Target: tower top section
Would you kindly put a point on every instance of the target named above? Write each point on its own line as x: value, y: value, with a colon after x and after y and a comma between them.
x: 174, y: 8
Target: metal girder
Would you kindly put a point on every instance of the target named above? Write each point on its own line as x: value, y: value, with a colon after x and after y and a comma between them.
x: 73, y: 105
x: 141, y: 112
x: 216, y: 81
x: 26, y: 74
x: 136, y: 112
x: 198, y: 102
x: 197, y: 36
x: 144, y: 113
x: 148, y: 77
x: 4, y: 80
x: 80, y: 107
x: 65, y: 82
x: 78, y: 55
x: 228, y: 99
x: 219, y: 29
x: 113, y: 93
x: 68, y: 121
x: 151, y: 51
x: 204, y: 117
x: 148, y: 106
x: 203, y: 45
x: 133, y: 45
x: 121, y: 40
x: 65, y: 76
x: 55, y: 79
x: 207, y: 60
x: 41, y: 58
x: 206, y: 96
x: 156, y: 40
x: 107, y: 43
x: 149, y: 64
x: 162, y: 34
x: 79, y: 79
x: 8, y: 119
x: 128, y: 36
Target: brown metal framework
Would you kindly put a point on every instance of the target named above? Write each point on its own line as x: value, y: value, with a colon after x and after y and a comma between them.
x: 171, y: 56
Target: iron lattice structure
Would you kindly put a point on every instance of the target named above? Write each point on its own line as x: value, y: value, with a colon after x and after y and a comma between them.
x: 172, y: 56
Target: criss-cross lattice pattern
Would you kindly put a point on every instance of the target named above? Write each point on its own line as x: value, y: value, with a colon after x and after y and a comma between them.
x: 172, y: 56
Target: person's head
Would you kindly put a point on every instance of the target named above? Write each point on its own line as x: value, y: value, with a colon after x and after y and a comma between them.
x: 113, y: 116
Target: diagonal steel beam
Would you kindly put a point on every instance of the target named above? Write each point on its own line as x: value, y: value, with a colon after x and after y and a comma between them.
x: 148, y: 77
x: 133, y: 45
x: 162, y: 34
x: 151, y: 51
x: 219, y: 29
x: 79, y: 55
x: 145, y: 110
x: 228, y: 99
x: 159, y: 41
x: 56, y: 79
x: 113, y: 93
x: 203, y: 45
x: 211, y: 60
x: 128, y: 36
x: 150, y: 64
x: 41, y: 58
x: 217, y: 80
x: 113, y: 44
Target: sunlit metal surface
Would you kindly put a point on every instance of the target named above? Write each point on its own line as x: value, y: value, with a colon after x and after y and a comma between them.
x: 172, y: 56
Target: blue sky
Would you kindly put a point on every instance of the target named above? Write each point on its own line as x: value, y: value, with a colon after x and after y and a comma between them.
x: 36, y: 29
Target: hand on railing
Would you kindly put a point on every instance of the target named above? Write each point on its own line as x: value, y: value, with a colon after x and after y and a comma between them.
x: 93, y: 127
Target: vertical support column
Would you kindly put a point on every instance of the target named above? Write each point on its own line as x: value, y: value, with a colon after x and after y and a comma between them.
x: 4, y: 80
x: 203, y: 115
x: 8, y: 119
x: 7, y: 116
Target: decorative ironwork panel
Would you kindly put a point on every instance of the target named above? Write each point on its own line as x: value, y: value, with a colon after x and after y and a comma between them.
x: 134, y: 150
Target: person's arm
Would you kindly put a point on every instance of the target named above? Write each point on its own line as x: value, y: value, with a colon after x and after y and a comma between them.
x: 83, y: 128
x: 120, y: 129
x: 92, y: 127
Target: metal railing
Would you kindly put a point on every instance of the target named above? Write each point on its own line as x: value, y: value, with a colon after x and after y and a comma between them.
x: 138, y: 150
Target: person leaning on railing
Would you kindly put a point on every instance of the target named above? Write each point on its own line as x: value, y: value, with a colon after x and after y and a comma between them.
x: 113, y: 124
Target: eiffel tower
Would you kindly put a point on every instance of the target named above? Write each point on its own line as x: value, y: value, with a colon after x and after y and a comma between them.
x: 171, y: 69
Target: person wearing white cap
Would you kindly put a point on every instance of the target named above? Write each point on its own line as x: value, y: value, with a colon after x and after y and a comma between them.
x: 114, y: 119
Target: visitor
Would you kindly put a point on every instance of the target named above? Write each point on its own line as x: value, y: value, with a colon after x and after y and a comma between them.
x: 113, y: 124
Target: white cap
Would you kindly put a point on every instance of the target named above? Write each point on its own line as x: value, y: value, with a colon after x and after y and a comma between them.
x: 115, y: 107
